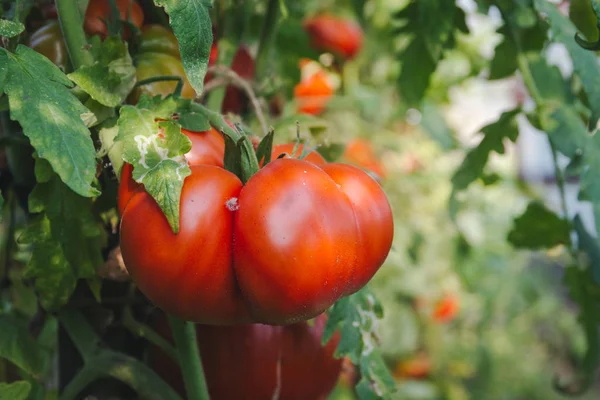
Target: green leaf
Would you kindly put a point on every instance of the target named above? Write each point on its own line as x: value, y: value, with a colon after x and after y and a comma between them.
x: 156, y: 151
x: 432, y: 24
x: 19, y: 347
x: 3, y: 70
x: 539, y: 228
x: 15, y: 391
x: 10, y: 29
x: 194, y: 122
x: 66, y: 239
x: 265, y: 148
x: 435, y: 126
x: 51, y: 117
x: 493, y: 140
x: 1, y: 204
x: 191, y: 25
x: 504, y: 62
x: 107, y: 134
x: 110, y: 79
x: 590, y: 246
x: 584, y: 18
x: 585, y: 63
x: 357, y: 317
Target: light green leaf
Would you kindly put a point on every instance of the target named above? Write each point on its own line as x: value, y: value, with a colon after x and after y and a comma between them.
x: 584, y: 62
x: 51, y: 117
x: 435, y: 126
x: 15, y: 391
x: 107, y: 134
x: 192, y: 26
x: 539, y: 228
x: 110, y: 79
x: 10, y: 29
x: 357, y: 317
x: 156, y: 149
x: 493, y: 140
x: 18, y: 346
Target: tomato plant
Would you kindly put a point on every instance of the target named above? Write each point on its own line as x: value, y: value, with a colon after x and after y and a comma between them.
x: 48, y: 41
x: 261, y: 359
x: 98, y: 16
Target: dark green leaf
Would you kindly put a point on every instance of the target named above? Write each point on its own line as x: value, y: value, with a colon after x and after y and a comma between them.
x: 110, y: 79
x: 504, y: 62
x: 265, y: 148
x: 549, y: 83
x: 357, y: 317
x: 539, y: 228
x: 194, y: 122
x: 493, y: 140
x: 583, y: 16
x: 156, y: 151
x: 10, y: 29
x: 191, y: 24
x: 15, y: 391
x: 435, y: 126
x: 565, y: 128
x: 590, y: 246
x: 417, y: 68
x: 18, y: 346
x: 51, y: 117
x: 584, y: 62
x: 1, y: 204
x: 66, y: 239
x: 3, y: 70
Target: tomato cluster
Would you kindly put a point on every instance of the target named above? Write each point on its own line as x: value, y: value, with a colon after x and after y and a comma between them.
x: 256, y: 361
x: 280, y: 249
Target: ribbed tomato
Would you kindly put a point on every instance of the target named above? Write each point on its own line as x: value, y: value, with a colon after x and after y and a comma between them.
x: 259, y: 361
x: 98, y: 12
x: 279, y: 250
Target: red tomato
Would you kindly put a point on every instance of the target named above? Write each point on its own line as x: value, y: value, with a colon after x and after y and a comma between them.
x: 336, y: 35
x: 313, y: 93
x: 256, y: 361
x: 207, y: 148
x: 305, y: 235
x: 446, y: 308
x: 99, y: 10
x: 360, y: 152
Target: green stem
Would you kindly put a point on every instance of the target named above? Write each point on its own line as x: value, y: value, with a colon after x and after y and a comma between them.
x: 163, y: 78
x: 71, y: 25
x: 267, y: 35
x: 184, y: 333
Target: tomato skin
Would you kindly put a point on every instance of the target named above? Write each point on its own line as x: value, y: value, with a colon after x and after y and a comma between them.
x: 296, y: 242
x: 288, y: 148
x: 243, y: 362
x: 373, y: 215
x: 98, y: 10
x: 158, y: 39
x: 208, y: 148
x: 337, y: 35
x: 48, y: 41
x: 189, y: 274
x: 360, y: 152
x: 446, y: 308
x: 417, y: 367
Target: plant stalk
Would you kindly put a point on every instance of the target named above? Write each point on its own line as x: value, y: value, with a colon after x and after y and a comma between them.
x: 71, y: 25
x: 184, y: 333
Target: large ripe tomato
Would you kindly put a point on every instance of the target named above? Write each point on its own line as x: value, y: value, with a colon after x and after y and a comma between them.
x: 279, y: 250
x: 256, y: 361
x: 207, y: 148
x: 337, y: 35
x: 48, y: 41
x: 288, y: 148
x: 159, y: 56
x: 98, y: 11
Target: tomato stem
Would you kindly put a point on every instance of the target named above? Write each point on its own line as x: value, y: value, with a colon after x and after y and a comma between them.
x: 163, y: 78
x: 267, y: 36
x: 71, y: 25
x: 184, y: 333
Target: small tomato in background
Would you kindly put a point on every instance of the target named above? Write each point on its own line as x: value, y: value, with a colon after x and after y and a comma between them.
x: 258, y: 361
x: 98, y: 12
x: 416, y: 367
x: 446, y: 308
x: 235, y: 100
x: 48, y: 41
x: 340, y: 36
x: 361, y: 153
x: 315, y: 89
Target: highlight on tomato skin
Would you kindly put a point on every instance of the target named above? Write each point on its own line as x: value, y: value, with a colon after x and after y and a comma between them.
x: 340, y: 36
x: 257, y: 360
